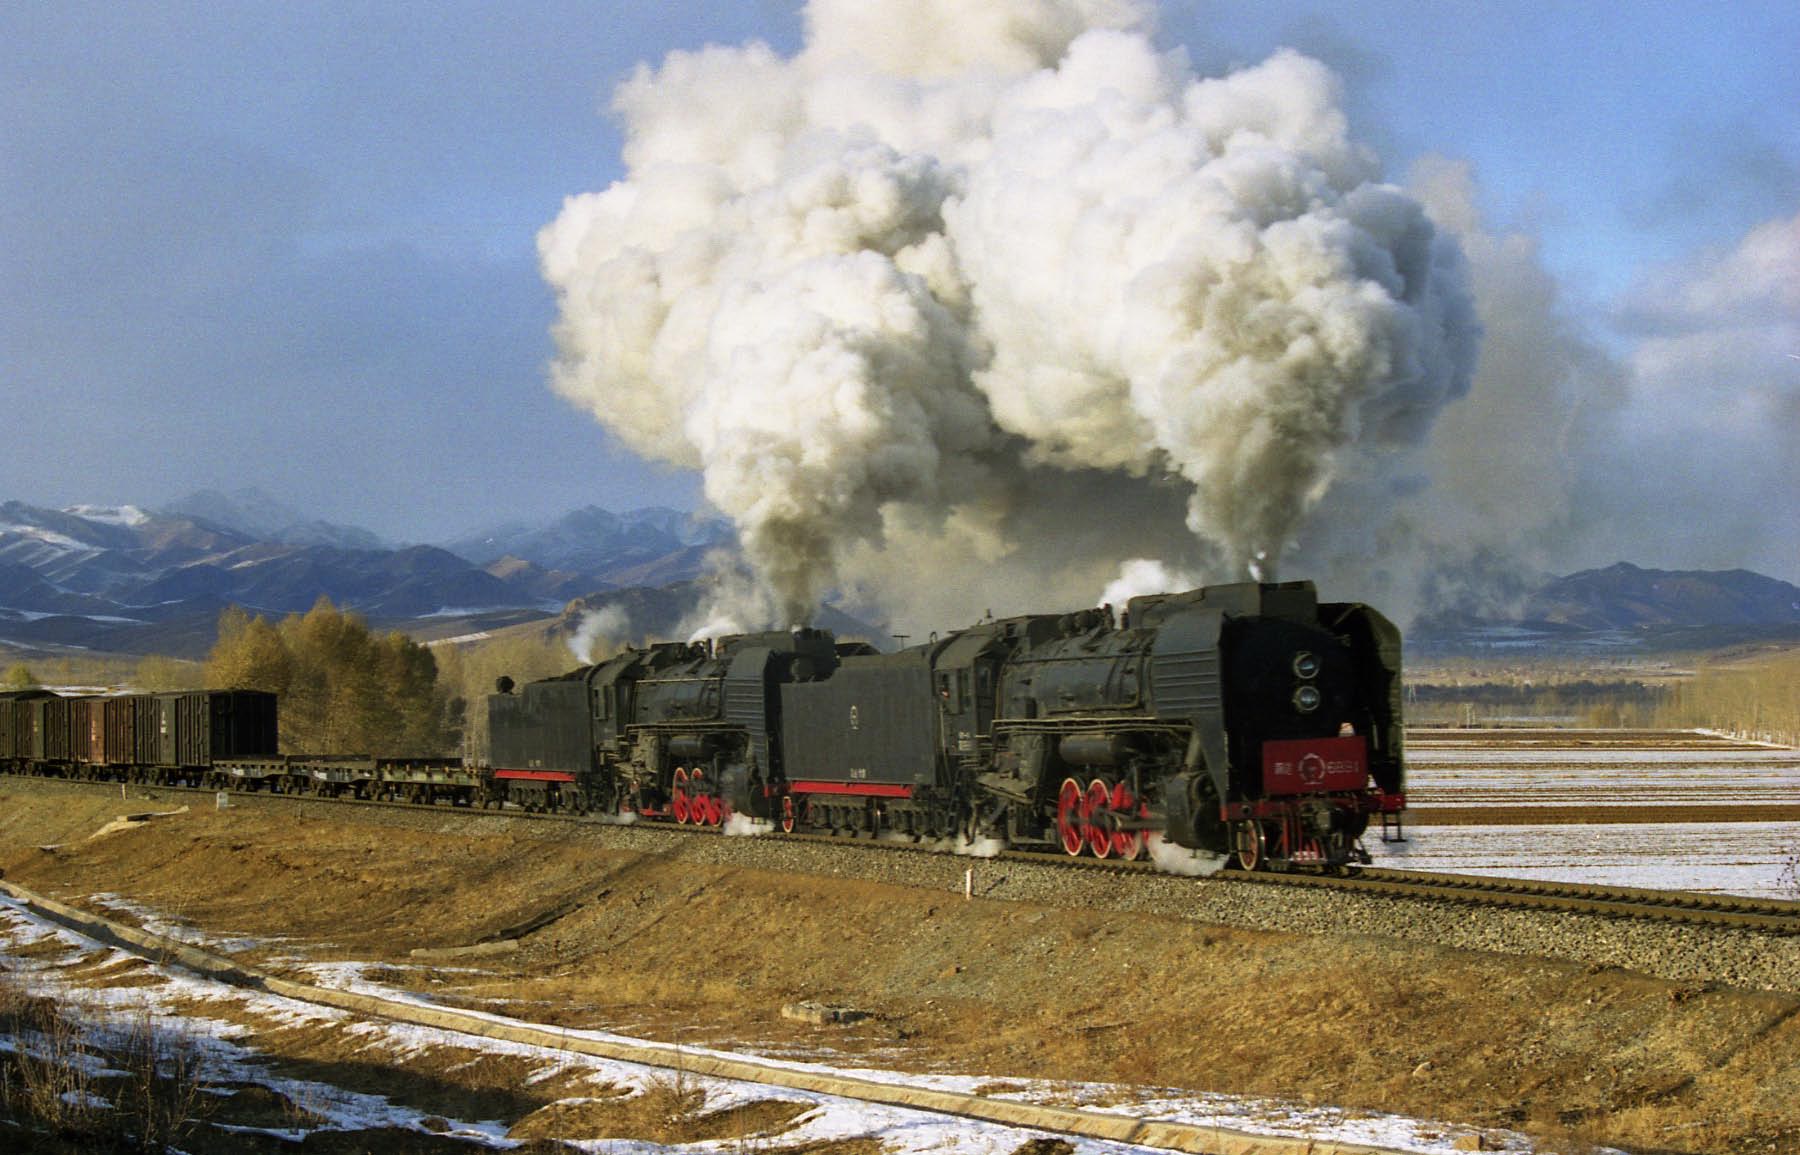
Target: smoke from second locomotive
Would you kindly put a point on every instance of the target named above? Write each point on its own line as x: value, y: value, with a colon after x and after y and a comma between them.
x: 966, y: 321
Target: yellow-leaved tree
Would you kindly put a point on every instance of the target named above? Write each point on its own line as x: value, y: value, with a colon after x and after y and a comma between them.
x: 344, y: 689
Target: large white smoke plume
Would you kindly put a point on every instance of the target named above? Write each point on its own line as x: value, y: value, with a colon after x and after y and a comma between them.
x: 962, y: 306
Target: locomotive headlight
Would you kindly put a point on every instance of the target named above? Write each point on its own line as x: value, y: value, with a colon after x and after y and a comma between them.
x: 1306, y: 665
x: 1306, y: 699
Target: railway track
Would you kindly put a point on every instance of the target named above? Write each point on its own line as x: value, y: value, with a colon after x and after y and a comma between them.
x: 1764, y: 916
x: 1767, y: 916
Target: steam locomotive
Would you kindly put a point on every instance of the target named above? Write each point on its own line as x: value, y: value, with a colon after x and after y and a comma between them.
x: 1248, y: 720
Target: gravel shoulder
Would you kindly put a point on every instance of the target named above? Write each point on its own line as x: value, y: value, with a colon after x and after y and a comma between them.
x: 1641, y: 1036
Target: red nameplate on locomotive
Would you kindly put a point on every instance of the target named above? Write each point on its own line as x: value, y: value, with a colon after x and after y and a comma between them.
x: 1315, y: 765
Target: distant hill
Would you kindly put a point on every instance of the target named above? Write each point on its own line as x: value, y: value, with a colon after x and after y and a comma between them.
x: 1626, y: 607
x: 133, y: 580
x: 1624, y: 597
x: 254, y: 513
x: 655, y: 544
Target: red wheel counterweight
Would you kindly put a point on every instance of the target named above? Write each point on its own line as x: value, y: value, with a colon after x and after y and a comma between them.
x: 1096, y: 808
x: 1128, y: 844
x: 703, y: 808
x: 1250, y: 843
x: 1071, y: 821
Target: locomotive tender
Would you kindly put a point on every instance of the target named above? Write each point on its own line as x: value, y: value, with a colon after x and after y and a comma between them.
x: 1245, y: 719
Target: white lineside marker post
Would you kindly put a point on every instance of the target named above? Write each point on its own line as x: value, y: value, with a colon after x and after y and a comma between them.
x: 221, y: 800
x: 968, y: 884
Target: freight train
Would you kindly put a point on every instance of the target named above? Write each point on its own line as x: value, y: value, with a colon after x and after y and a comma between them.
x: 216, y: 739
x: 1248, y: 720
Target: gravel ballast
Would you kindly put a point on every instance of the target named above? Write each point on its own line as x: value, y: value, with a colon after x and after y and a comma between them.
x: 1688, y: 954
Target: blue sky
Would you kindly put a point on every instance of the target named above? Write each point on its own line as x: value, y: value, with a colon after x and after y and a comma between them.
x: 292, y: 246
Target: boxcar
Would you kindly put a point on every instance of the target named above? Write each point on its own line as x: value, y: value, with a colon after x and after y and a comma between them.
x: 19, y: 714
x: 87, y: 731
x: 195, y: 728
x: 119, y: 722
x: 53, y: 729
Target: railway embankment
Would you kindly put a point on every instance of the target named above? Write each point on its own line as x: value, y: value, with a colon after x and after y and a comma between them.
x: 1614, y: 1031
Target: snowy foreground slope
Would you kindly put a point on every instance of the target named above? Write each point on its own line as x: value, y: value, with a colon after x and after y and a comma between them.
x: 206, y: 1017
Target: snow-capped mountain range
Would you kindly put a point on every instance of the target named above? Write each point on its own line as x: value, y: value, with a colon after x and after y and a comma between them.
x: 138, y: 580
x: 131, y: 579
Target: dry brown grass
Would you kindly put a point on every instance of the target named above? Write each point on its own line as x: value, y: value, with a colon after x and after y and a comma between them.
x: 670, y: 1109
x: 1011, y: 990
x: 1754, y: 692
x: 117, y: 1083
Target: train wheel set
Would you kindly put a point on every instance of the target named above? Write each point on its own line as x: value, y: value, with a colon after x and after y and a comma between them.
x: 695, y: 802
x: 1102, y: 819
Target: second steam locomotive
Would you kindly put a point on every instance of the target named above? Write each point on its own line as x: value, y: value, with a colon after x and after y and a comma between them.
x: 1247, y: 719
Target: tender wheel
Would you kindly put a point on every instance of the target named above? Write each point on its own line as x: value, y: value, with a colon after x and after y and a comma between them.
x: 787, y: 813
x: 1071, y: 822
x: 1095, y: 807
x: 1248, y: 843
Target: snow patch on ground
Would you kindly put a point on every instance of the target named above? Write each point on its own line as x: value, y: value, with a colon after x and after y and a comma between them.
x: 225, y: 1059
x: 159, y: 924
x: 462, y: 639
x: 1754, y: 859
x: 47, y: 536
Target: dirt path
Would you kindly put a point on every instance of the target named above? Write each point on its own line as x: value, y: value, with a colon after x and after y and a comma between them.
x: 665, y: 948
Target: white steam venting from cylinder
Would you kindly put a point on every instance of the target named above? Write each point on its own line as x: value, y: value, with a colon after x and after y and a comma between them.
x: 879, y: 292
